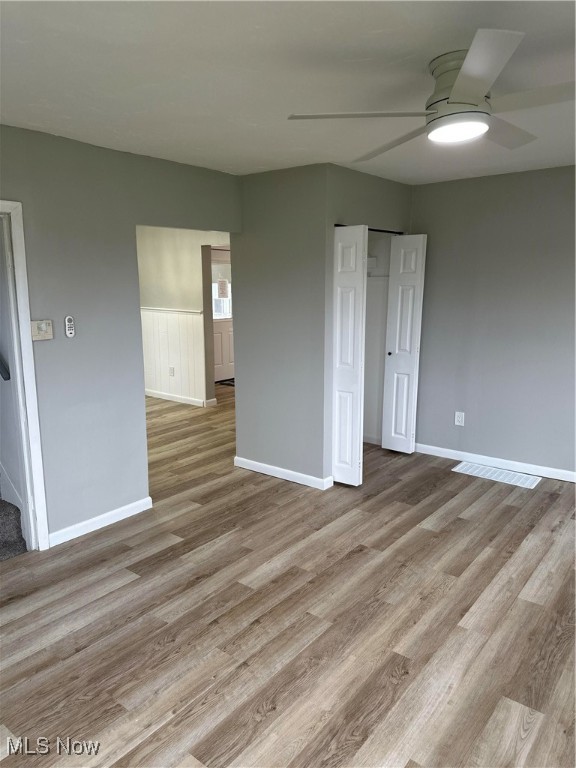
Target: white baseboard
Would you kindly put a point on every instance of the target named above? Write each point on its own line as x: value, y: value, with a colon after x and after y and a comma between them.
x: 9, y: 492
x: 95, y: 523
x: 211, y: 402
x: 372, y: 440
x: 178, y: 398
x: 491, y: 461
x: 321, y: 483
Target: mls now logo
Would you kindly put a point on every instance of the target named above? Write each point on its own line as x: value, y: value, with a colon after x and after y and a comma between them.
x: 43, y: 746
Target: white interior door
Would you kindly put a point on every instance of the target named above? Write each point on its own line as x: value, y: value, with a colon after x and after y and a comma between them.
x: 223, y: 350
x: 350, y: 259
x: 404, y: 322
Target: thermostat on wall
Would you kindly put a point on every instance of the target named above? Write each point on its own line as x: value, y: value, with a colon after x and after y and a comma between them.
x: 69, y: 326
x: 42, y: 330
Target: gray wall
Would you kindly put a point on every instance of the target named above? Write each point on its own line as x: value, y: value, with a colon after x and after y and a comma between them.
x: 81, y: 207
x: 498, y: 321
x: 278, y: 274
x: 359, y: 198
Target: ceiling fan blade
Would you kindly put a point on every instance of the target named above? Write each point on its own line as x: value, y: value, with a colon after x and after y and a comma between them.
x: 536, y: 97
x: 489, y: 53
x: 507, y: 135
x: 391, y: 144
x: 338, y: 115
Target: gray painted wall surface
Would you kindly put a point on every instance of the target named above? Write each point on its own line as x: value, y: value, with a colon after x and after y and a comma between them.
x: 354, y: 197
x: 498, y: 321
x: 81, y: 206
x: 278, y: 274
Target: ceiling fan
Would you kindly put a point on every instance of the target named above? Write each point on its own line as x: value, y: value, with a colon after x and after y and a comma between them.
x: 460, y: 108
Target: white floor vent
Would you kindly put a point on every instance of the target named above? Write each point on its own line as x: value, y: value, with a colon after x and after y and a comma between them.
x: 500, y: 475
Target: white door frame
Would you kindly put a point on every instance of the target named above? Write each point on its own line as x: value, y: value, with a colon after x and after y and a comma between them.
x: 25, y: 381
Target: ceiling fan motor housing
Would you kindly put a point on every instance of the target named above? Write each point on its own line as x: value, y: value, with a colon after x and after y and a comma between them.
x: 445, y: 69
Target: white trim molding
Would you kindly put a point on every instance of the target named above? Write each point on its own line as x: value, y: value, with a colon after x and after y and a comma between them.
x: 179, y: 311
x: 28, y: 398
x: 95, y: 523
x: 492, y: 461
x: 179, y: 398
x: 321, y: 483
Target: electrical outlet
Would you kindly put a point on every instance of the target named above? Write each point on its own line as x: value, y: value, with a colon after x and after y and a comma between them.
x: 459, y: 418
x: 171, y: 371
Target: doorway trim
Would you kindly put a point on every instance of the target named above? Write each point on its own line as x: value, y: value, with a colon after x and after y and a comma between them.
x: 25, y: 379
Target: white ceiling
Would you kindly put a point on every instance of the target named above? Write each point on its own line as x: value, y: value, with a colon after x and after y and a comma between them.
x: 212, y: 84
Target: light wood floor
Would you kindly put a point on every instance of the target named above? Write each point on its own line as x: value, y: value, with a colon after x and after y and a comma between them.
x: 424, y: 619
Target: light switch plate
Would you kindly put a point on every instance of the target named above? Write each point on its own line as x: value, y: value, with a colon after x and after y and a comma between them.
x: 42, y: 330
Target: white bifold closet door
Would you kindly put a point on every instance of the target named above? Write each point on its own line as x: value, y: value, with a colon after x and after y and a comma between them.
x: 350, y: 260
x: 403, y: 327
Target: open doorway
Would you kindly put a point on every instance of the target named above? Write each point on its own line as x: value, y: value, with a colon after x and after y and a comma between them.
x: 222, y: 315
x: 185, y: 298
x: 377, y: 281
x: 23, y: 514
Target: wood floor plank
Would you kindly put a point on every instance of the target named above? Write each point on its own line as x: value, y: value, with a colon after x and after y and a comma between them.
x: 424, y: 619
x: 508, y: 736
x: 480, y: 689
x: 548, y: 578
x: 413, y: 717
x: 351, y: 723
x: 493, y: 603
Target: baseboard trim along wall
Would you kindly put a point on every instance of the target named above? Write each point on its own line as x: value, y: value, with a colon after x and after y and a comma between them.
x: 321, y: 483
x: 95, y: 523
x: 491, y: 461
x: 179, y: 398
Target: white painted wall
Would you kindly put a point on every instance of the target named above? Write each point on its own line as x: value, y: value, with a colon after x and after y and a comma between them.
x: 170, y: 265
x: 174, y: 341
x: 375, y: 357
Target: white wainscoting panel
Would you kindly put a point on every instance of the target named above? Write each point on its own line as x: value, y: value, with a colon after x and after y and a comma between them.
x: 174, y: 340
